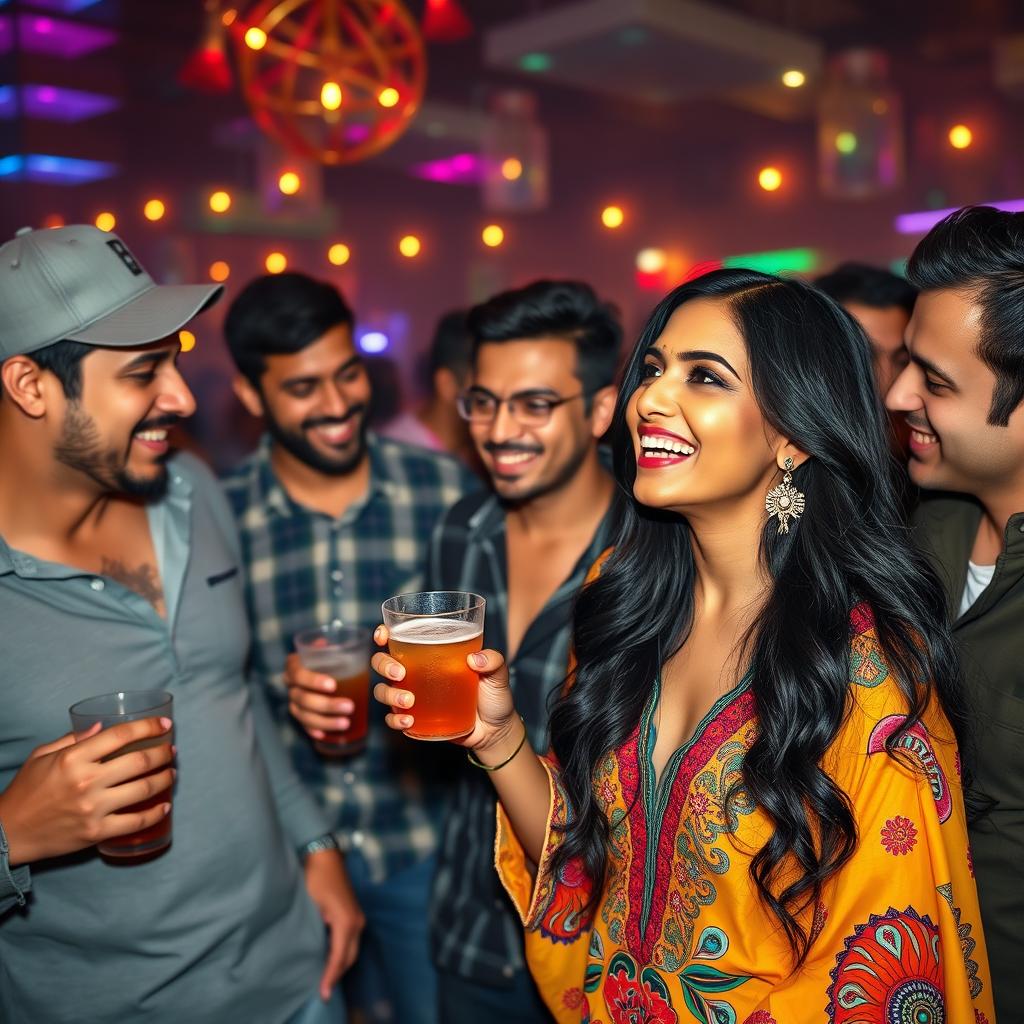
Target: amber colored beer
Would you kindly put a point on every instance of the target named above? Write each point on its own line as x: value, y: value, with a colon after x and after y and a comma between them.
x: 146, y: 840
x: 434, y: 652
x: 351, y: 673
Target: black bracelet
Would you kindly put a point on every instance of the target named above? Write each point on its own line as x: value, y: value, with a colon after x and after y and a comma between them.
x: 477, y: 764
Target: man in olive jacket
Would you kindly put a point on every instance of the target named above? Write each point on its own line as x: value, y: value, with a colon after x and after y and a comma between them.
x: 963, y: 398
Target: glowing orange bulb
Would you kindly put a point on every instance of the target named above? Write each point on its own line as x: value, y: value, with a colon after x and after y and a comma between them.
x: 154, y: 210
x: 228, y: 17
x: 275, y: 262
x: 770, y: 179
x: 410, y: 246
x: 289, y: 183
x: 960, y: 136
x: 54, y: 220
x: 106, y: 221
x: 339, y: 254
x: 219, y: 270
x: 612, y: 217
x: 330, y: 96
x: 220, y: 202
x: 493, y: 235
x: 512, y: 169
x: 187, y: 340
x: 388, y: 97
x: 651, y: 261
x: 255, y: 38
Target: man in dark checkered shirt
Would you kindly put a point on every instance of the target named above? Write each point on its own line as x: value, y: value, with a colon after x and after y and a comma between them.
x: 334, y: 520
x: 542, y: 394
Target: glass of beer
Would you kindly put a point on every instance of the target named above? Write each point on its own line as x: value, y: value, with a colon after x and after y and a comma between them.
x: 342, y: 652
x: 432, y: 634
x: 129, y: 706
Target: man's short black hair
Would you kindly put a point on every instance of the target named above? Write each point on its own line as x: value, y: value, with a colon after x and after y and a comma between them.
x: 555, y: 309
x: 64, y: 360
x: 868, y: 286
x: 980, y: 250
x: 280, y: 314
x: 452, y: 346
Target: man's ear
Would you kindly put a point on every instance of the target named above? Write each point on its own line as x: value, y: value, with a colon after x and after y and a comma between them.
x: 27, y: 386
x: 602, y: 409
x: 248, y: 395
x: 446, y: 385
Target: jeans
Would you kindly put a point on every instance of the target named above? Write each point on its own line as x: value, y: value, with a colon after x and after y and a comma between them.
x: 463, y: 1001
x: 394, y: 978
x: 318, y: 1012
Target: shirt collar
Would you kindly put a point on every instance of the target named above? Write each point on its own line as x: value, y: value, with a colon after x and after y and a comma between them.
x: 270, y: 491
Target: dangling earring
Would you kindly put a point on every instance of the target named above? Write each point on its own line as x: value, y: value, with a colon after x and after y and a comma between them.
x: 784, y: 500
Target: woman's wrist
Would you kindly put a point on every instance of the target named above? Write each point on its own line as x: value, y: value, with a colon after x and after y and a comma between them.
x: 503, y: 744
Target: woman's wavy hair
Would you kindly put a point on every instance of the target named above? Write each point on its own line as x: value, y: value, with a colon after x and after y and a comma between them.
x: 811, y: 373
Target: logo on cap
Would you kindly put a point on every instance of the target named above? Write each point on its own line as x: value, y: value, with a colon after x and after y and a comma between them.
x: 125, y: 256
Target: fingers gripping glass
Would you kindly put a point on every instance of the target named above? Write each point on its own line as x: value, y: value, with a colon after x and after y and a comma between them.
x: 527, y: 408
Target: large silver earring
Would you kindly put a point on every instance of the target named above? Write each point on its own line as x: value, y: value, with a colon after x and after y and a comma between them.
x: 784, y: 500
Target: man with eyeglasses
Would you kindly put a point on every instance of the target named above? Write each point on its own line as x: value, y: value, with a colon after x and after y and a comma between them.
x: 541, y: 395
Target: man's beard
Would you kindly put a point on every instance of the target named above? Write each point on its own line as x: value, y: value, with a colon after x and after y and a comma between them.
x: 294, y: 442
x: 80, y: 448
x: 562, y: 477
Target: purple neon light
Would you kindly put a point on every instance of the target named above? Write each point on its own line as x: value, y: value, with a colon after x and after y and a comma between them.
x: 63, y: 6
x: 54, y: 103
x: 460, y: 169
x: 8, y: 104
x: 54, y: 37
x: 919, y: 223
x: 54, y: 170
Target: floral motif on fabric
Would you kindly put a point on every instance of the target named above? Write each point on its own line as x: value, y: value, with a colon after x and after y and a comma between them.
x: 818, y: 922
x: 916, y: 744
x: 703, y: 983
x: 760, y: 1017
x: 970, y: 860
x: 697, y: 817
x: 889, y: 973
x: 980, y: 1018
x: 636, y: 996
x: 867, y: 666
x: 967, y: 942
x: 560, y: 907
x: 899, y: 835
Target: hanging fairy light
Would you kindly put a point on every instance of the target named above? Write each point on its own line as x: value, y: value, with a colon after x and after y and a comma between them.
x: 333, y: 81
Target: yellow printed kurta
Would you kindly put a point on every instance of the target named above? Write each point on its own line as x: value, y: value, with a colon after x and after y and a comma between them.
x: 680, y: 934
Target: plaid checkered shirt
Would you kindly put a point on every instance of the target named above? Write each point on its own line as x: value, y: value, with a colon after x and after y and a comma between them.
x: 305, y: 568
x: 475, y: 932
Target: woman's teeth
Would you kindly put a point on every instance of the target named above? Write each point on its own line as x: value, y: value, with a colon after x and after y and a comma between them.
x: 664, y: 446
x: 919, y: 437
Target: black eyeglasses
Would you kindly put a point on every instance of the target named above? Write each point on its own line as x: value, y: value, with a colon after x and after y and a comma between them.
x: 527, y: 408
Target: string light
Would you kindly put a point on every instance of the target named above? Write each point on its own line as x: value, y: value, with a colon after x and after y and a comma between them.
x: 770, y: 179
x: 106, y: 221
x: 255, y: 38
x: 219, y: 270
x: 388, y: 97
x: 154, y: 210
x: 289, y: 183
x: 793, y: 79
x: 187, y: 340
x: 220, y: 202
x: 330, y: 96
x: 339, y: 254
x: 651, y: 261
x: 410, y: 246
x: 275, y: 262
x: 612, y: 217
x: 512, y: 169
x: 493, y: 235
x: 960, y: 136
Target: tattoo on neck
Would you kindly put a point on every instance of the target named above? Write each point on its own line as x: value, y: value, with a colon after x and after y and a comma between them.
x: 144, y: 580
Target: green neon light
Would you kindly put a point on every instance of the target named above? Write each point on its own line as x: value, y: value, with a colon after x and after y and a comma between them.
x: 535, y: 62
x: 781, y: 261
x: 846, y: 142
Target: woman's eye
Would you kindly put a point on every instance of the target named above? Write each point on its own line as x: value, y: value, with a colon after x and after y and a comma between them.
x: 649, y: 371
x: 698, y: 375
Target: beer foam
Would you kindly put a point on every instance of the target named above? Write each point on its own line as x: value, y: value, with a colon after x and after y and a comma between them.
x: 435, y: 631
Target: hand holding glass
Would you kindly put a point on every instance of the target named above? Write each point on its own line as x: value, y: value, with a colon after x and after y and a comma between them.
x: 129, y: 706
x: 432, y: 634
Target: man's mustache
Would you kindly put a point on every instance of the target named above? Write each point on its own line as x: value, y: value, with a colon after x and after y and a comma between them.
x: 511, y: 449
x: 333, y: 421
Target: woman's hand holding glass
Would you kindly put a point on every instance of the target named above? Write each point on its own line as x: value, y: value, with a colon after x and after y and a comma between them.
x: 497, y: 725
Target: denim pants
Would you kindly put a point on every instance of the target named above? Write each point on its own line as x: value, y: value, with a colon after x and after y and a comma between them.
x: 394, y: 978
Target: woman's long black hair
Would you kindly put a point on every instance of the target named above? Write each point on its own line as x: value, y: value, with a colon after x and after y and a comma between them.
x: 812, y: 377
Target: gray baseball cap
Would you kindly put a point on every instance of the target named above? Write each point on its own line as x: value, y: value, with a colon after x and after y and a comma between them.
x: 78, y: 283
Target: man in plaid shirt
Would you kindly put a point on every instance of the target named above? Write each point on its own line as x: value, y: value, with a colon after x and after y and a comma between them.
x: 542, y: 394
x: 333, y: 520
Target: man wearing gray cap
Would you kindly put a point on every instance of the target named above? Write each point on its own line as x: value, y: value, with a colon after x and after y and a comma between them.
x: 119, y: 570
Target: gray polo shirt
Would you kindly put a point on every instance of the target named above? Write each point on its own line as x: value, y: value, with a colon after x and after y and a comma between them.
x: 218, y: 928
